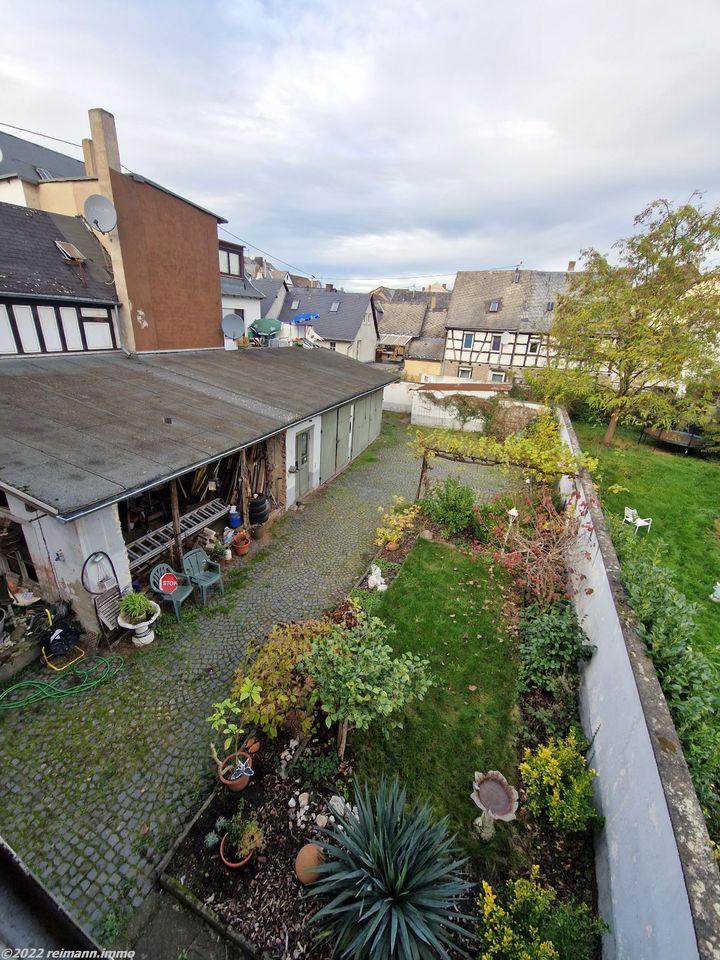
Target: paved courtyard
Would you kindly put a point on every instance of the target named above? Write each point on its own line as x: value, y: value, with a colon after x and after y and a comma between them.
x: 96, y: 787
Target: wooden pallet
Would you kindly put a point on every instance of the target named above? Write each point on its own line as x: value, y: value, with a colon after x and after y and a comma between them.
x: 157, y: 542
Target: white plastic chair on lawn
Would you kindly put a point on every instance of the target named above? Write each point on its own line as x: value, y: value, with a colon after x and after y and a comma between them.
x: 631, y: 517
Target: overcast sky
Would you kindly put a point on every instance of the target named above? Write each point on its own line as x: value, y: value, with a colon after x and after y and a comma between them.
x: 381, y: 140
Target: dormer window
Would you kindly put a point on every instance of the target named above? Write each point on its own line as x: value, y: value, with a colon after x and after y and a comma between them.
x: 334, y: 306
x: 229, y: 263
x: 295, y: 304
x: 494, y: 306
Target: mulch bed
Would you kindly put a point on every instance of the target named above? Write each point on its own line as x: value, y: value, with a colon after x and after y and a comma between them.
x: 263, y: 901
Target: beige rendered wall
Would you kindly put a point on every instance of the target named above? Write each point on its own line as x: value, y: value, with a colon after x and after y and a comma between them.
x: 414, y: 369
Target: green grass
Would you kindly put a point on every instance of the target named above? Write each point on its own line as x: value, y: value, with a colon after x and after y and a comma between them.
x: 447, y: 607
x: 682, y: 495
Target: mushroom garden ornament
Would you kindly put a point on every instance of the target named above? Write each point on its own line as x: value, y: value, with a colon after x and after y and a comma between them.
x: 497, y: 800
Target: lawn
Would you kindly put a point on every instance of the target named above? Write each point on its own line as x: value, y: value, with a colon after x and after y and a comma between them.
x: 682, y: 495
x: 448, y: 607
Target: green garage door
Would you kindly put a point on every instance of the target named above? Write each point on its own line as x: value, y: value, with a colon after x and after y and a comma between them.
x: 328, y: 445
x: 361, y: 425
x: 375, y: 414
x: 343, y: 437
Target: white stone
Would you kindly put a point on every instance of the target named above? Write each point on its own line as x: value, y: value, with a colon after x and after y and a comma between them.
x: 321, y: 820
x: 304, y: 799
x: 292, y: 802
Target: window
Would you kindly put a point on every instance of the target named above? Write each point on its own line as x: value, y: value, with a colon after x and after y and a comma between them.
x: 229, y: 262
x: 497, y: 377
x: 69, y: 251
x: 468, y: 341
x: 496, y: 343
x: 43, y: 173
x: 494, y: 306
x: 533, y: 346
x: 334, y: 306
x: 295, y: 304
x: 465, y: 373
x: 239, y: 313
x: 332, y: 344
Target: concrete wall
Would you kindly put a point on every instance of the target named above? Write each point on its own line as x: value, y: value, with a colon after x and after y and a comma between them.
x: 427, y: 413
x: 658, y: 883
x: 250, y: 305
x: 59, y: 550
x: 397, y: 397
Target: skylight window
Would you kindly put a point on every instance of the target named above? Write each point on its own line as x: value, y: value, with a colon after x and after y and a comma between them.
x: 43, y: 173
x: 295, y: 304
x: 494, y: 306
x: 334, y: 306
x: 70, y: 251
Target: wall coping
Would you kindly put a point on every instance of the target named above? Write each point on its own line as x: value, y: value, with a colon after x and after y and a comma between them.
x: 700, y: 870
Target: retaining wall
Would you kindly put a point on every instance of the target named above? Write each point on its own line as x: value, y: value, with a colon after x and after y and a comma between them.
x: 658, y: 883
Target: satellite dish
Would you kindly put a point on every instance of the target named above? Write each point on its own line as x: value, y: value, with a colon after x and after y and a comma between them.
x: 1, y: 156
x: 100, y: 213
x: 233, y: 326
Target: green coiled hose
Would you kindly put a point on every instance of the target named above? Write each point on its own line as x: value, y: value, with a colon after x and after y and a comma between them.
x: 84, y: 675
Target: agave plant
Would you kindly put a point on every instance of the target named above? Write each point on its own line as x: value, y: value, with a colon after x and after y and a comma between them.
x: 392, y: 880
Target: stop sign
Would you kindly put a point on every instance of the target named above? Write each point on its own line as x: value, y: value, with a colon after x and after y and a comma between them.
x: 168, y: 583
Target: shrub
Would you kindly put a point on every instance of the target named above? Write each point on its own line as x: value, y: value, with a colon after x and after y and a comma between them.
x: 558, y: 784
x: 286, y: 695
x: 490, y: 519
x: 359, y: 680
x: 667, y: 625
x: 244, y: 836
x: 392, y: 880
x: 320, y: 767
x: 396, y: 522
x: 528, y: 923
x: 449, y: 504
x: 551, y: 644
x: 135, y: 607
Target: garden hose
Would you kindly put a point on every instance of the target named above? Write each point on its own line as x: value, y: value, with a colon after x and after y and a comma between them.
x: 87, y: 674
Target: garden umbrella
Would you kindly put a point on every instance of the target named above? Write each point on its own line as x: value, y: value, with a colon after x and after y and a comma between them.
x: 265, y: 327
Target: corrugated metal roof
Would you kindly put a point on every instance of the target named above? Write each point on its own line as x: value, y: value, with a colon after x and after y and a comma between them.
x: 522, y: 306
x: 394, y: 340
x: 33, y: 266
x: 82, y: 431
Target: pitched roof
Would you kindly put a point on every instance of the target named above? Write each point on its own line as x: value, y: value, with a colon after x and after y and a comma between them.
x: 402, y: 318
x: 23, y: 158
x: 269, y: 289
x: 521, y: 306
x: 33, y: 266
x: 434, y: 324
x: 426, y: 348
x: 239, y: 287
x: 63, y: 443
x: 340, y: 324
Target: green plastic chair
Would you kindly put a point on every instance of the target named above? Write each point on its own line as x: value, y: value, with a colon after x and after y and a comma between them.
x: 184, y: 588
x: 203, y: 572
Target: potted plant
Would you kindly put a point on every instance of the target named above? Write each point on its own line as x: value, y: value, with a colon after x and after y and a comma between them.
x: 242, y: 839
x: 235, y: 770
x: 138, y: 612
x: 217, y: 550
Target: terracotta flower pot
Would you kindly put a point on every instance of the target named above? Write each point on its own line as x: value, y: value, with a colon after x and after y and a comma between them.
x: 392, y: 547
x: 233, y: 864
x: 228, y: 765
x: 241, y: 543
x: 253, y: 745
x: 309, y: 857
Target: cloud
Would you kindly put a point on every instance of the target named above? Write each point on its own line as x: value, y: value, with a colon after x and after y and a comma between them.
x: 363, y: 140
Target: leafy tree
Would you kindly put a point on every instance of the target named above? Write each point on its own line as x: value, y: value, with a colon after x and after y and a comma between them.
x: 634, y: 332
x: 360, y: 681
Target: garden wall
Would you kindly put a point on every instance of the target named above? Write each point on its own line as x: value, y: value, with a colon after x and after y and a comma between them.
x: 658, y: 883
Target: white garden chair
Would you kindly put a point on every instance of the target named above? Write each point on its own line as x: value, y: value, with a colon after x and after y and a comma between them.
x: 631, y: 517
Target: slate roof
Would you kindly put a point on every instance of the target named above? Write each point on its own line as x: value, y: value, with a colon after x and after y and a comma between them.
x: 393, y: 295
x: 401, y: 318
x: 426, y: 348
x: 342, y: 324
x: 22, y: 158
x: 79, y: 432
x: 434, y: 324
x: 269, y: 289
x: 237, y: 287
x: 32, y: 266
x: 523, y: 305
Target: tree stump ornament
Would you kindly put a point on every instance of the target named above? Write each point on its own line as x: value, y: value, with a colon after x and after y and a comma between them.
x: 497, y: 800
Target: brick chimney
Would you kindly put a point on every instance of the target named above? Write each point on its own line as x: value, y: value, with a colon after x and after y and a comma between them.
x: 571, y: 266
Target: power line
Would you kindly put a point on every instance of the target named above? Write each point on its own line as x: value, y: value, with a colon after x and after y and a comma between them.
x: 36, y: 133
x: 267, y: 254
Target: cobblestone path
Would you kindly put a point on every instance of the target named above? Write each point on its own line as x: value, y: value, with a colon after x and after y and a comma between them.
x: 96, y: 787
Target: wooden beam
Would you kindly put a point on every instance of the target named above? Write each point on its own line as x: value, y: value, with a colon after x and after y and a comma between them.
x: 176, y: 522
x: 245, y: 489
